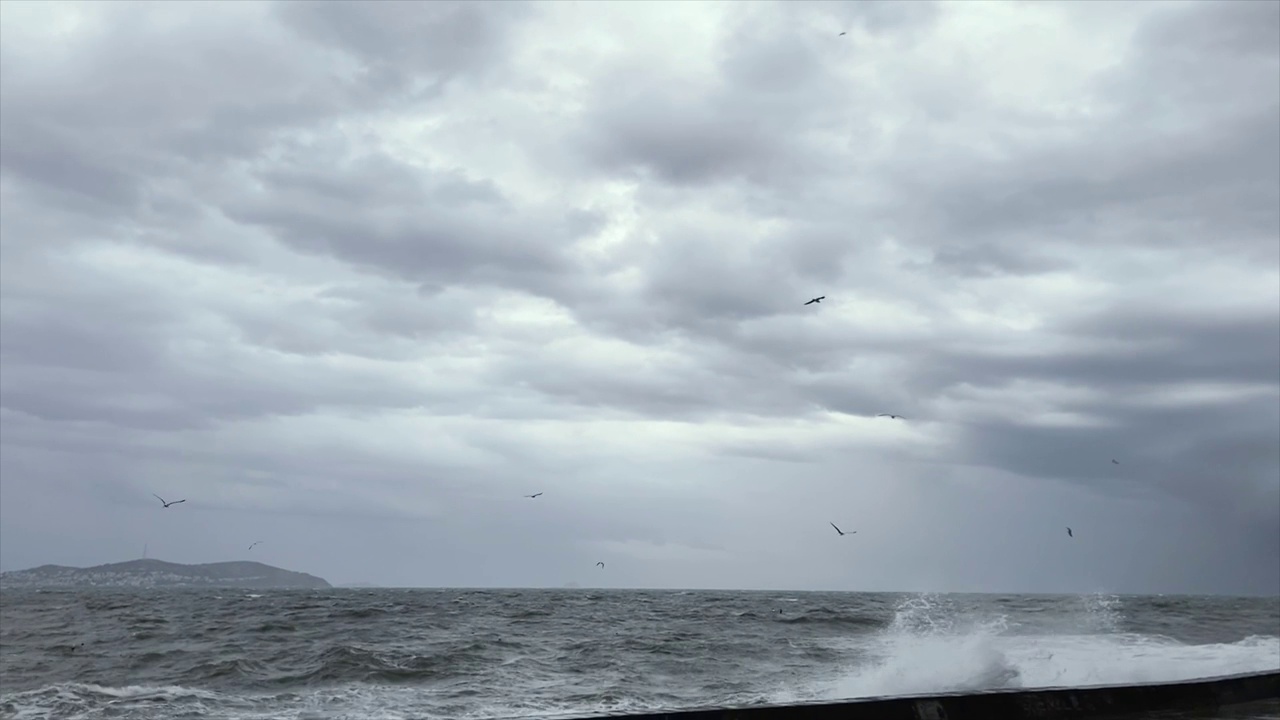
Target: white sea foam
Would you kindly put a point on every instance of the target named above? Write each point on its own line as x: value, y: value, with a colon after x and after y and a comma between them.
x: 74, y: 701
x: 931, y: 648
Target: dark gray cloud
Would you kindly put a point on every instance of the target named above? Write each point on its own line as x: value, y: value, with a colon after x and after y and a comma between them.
x: 430, y: 229
x: 401, y: 46
x: 363, y: 282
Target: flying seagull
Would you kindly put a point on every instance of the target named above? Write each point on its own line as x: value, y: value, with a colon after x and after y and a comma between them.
x: 167, y: 504
x: 255, y: 542
x: 1069, y: 533
x: 816, y: 300
x: 1114, y: 461
x: 891, y: 416
x: 600, y: 564
x: 843, y: 33
x: 533, y: 495
x: 843, y: 533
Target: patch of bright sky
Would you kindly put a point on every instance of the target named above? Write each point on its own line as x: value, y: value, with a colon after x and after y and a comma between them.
x: 665, y: 553
x: 1023, y: 401
x: 1183, y: 395
x: 1023, y: 302
x: 1030, y: 62
x: 43, y: 26
x: 1194, y: 281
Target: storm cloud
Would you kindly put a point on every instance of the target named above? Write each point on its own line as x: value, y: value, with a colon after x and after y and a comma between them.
x: 354, y: 278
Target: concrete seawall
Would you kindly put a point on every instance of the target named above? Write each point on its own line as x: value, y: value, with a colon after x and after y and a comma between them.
x: 1042, y: 704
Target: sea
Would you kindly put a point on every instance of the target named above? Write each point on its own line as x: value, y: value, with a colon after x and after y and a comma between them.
x: 413, y: 653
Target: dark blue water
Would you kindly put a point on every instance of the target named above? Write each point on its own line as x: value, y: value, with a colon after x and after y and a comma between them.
x: 521, y: 653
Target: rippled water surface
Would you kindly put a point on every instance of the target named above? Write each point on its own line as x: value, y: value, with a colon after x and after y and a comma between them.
x: 527, y: 653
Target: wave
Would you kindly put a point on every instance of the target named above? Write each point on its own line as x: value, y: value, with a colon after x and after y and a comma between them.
x: 834, y: 618
x: 348, y: 701
x: 931, y: 646
x: 74, y: 701
x: 337, y: 664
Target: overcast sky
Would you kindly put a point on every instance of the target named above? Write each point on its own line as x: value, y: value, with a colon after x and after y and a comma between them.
x: 354, y: 278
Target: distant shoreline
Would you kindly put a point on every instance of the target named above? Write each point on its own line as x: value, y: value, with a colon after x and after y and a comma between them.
x: 151, y: 573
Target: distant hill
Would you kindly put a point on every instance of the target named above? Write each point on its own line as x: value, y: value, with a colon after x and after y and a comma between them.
x: 157, y: 573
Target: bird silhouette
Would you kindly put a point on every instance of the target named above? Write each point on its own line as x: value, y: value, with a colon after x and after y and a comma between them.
x: 256, y: 542
x: 1115, y: 462
x: 843, y: 533
x: 1069, y: 533
x: 891, y: 416
x: 167, y: 504
x: 533, y: 495
x: 816, y: 300
x: 843, y: 33
x: 600, y: 564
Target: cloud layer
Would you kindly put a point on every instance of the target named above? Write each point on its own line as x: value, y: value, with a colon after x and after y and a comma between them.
x: 355, y: 277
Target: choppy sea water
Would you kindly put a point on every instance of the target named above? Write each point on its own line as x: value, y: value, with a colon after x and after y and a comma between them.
x: 530, y: 653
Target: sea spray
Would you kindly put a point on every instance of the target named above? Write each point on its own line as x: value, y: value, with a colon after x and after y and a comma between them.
x: 932, y: 645
x: 936, y: 644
